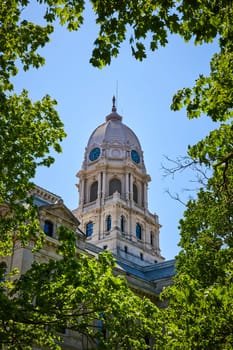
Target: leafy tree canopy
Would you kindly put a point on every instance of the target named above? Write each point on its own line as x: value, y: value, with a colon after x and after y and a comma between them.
x: 200, y: 309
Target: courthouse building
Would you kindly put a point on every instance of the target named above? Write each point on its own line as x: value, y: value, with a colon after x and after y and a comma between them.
x: 112, y: 213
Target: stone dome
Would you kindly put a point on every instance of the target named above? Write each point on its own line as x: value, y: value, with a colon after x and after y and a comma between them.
x: 113, y: 131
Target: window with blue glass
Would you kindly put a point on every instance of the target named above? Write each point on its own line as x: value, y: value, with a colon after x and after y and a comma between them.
x: 138, y: 231
x: 48, y: 228
x: 89, y: 229
x: 109, y: 222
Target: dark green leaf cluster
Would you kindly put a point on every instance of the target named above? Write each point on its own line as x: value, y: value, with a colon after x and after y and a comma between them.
x: 141, y: 19
x: 199, y: 318
x: 154, y: 20
x: 199, y: 315
x: 29, y: 130
x: 213, y: 95
x: 20, y: 38
x: 200, y: 310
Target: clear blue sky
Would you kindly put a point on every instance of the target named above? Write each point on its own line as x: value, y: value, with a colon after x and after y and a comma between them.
x: 145, y: 91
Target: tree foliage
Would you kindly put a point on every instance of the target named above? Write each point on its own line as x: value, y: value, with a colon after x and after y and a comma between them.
x: 200, y: 310
x: 29, y: 130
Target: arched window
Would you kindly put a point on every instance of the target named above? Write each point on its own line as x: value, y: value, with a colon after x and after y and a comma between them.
x: 135, y: 193
x: 89, y: 229
x: 114, y: 185
x: 108, y: 223
x: 48, y: 228
x: 122, y: 223
x: 138, y: 231
x: 93, y: 191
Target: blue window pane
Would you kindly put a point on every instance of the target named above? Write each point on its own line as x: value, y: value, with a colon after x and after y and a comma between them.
x: 138, y: 231
x: 109, y: 223
x: 48, y: 228
x: 89, y: 229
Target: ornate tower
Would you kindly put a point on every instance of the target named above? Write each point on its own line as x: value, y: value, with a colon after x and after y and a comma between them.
x: 113, y: 184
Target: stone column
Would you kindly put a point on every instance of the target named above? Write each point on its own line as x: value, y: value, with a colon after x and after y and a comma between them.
x: 145, y: 195
x: 131, y: 187
x: 127, y: 186
x: 99, y: 188
x: 81, y: 192
x: 104, y: 186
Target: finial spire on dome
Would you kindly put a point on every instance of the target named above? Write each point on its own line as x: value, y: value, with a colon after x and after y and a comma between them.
x: 113, y: 104
x: 114, y: 115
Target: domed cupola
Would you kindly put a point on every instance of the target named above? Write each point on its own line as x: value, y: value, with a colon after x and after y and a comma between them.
x: 113, y: 184
x: 113, y: 141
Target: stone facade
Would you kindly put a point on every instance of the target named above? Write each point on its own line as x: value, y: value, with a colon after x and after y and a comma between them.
x: 52, y: 213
